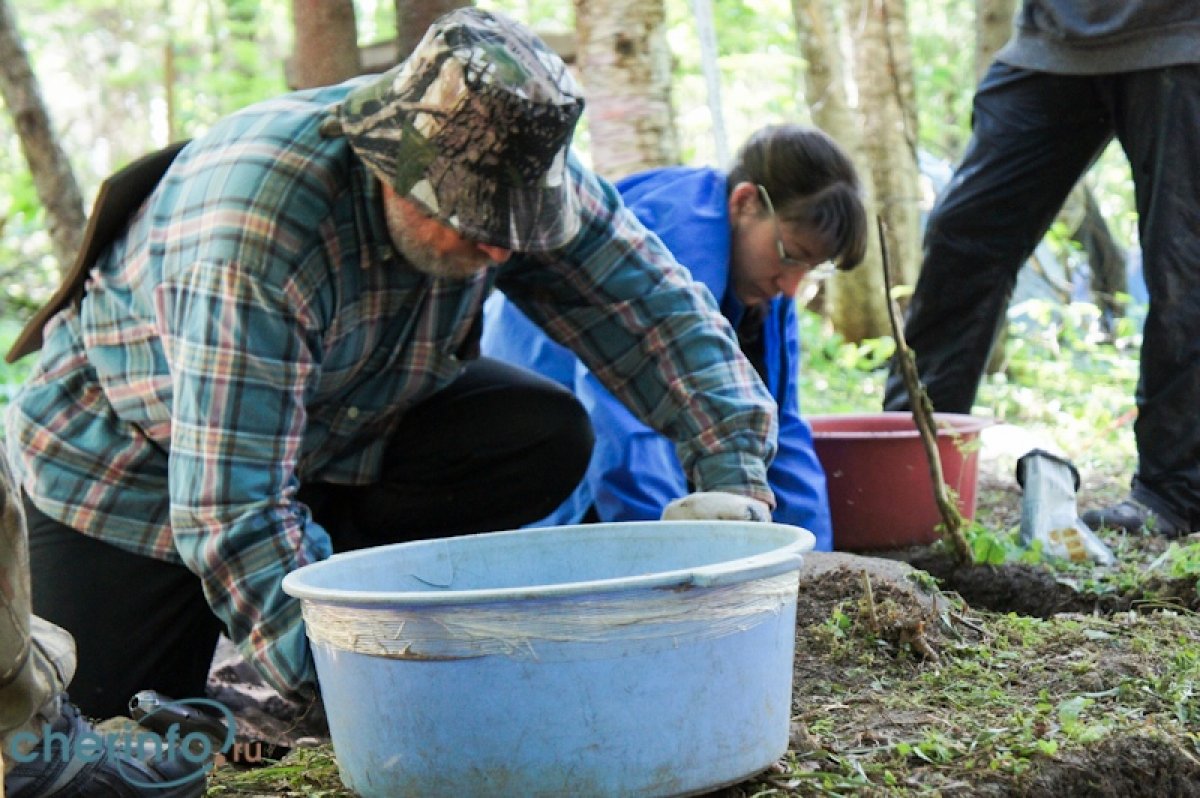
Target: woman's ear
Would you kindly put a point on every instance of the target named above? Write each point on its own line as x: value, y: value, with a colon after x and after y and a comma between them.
x: 744, y: 201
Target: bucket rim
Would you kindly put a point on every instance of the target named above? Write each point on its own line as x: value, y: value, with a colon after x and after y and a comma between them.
x: 770, y: 563
x: 961, y: 424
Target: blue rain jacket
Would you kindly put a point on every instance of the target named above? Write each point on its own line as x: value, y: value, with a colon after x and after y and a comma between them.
x: 634, y: 472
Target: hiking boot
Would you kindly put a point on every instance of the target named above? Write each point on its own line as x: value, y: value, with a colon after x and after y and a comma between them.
x: 1133, y: 516
x: 74, y: 760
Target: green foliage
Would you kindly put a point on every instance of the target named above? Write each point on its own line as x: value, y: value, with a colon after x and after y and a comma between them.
x: 376, y: 20
x: 1071, y: 719
x: 996, y: 547
x: 101, y: 70
x: 243, y: 54
x: 308, y: 772
x: 1112, y: 182
x: 1061, y: 377
x: 11, y: 376
x: 28, y: 270
x: 943, y: 68
x: 1183, y: 561
x: 837, y: 376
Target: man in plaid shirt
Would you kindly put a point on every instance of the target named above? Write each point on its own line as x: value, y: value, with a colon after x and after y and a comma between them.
x: 277, y: 360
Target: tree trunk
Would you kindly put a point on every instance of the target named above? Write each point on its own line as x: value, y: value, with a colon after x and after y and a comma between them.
x: 625, y: 63
x: 52, y: 175
x: 711, y: 67
x: 993, y: 27
x: 854, y: 301
x: 326, y: 43
x: 883, y: 72
x: 413, y: 18
x: 1107, y: 262
x: 170, y: 77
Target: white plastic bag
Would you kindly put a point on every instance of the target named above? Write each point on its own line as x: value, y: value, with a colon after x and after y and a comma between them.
x: 1049, y: 513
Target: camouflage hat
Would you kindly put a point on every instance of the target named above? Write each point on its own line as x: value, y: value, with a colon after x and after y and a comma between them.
x: 475, y: 126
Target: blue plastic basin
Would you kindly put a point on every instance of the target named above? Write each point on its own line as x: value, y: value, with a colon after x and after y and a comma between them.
x: 605, y: 659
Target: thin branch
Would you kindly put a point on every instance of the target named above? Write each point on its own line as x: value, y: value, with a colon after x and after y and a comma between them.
x: 869, y: 598
x: 922, y: 412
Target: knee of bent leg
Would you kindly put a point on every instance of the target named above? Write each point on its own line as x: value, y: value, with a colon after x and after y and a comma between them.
x: 566, y: 437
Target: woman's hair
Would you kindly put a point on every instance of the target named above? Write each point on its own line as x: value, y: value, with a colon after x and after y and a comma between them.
x: 812, y: 182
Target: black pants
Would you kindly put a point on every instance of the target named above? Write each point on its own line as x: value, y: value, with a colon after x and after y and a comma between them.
x: 1034, y: 135
x: 496, y: 449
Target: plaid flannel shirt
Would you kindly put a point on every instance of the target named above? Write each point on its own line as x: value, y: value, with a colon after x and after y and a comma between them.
x: 255, y: 328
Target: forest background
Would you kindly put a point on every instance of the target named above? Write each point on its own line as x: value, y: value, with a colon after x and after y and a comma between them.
x: 90, y: 85
x: 667, y: 81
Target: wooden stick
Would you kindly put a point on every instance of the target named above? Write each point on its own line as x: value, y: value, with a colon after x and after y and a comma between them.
x: 869, y: 596
x: 922, y: 413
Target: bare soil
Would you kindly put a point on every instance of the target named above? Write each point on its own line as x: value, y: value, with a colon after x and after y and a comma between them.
x: 854, y: 709
x: 851, y: 708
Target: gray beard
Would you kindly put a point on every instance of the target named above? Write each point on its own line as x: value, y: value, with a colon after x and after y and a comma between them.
x: 424, y: 259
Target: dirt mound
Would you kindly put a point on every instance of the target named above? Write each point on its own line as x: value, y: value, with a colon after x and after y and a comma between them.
x: 1127, y: 767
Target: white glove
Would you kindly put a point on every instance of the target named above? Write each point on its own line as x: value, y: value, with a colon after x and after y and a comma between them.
x: 716, y: 506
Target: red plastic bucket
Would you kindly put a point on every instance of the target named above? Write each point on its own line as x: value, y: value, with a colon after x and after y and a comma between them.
x: 880, y: 492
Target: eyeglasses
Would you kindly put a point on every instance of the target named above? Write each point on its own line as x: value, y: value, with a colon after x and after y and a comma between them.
x: 816, y: 273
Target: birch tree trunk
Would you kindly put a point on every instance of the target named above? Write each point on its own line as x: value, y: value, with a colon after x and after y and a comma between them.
x: 170, y: 77
x: 625, y: 64
x: 53, y: 178
x: 854, y: 301
x: 326, y: 43
x: 413, y: 18
x: 887, y: 102
x: 711, y: 67
x: 993, y: 27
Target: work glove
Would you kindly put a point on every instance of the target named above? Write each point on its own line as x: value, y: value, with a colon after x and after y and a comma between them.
x: 716, y: 506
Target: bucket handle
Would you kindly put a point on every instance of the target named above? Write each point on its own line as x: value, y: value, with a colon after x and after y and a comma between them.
x: 718, y: 575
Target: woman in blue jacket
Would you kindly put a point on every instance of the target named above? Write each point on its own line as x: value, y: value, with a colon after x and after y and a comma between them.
x: 791, y: 202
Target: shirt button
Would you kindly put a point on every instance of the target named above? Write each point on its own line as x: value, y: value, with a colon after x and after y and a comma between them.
x: 352, y: 413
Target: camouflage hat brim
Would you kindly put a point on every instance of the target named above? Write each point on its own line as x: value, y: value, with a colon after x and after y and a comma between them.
x: 475, y: 126
x: 523, y: 219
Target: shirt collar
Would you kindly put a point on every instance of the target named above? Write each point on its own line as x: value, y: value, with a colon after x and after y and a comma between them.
x: 369, y: 217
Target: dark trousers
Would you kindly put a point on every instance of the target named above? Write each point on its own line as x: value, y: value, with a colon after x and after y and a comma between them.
x: 496, y: 449
x: 1033, y: 136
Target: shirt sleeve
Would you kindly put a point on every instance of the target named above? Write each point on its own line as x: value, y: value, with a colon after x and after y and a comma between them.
x: 634, y: 472
x: 618, y: 299
x: 240, y: 363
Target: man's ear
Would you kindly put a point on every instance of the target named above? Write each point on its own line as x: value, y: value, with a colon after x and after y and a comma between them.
x: 744, y: 201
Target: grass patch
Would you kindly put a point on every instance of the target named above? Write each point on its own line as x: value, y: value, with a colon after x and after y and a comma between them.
x: 1001, y: 706
x: 308, y: 772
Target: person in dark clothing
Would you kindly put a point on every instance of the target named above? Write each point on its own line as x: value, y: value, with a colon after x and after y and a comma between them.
x: 1074, y: 75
